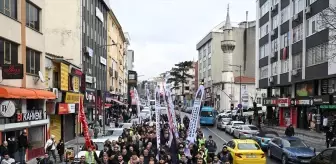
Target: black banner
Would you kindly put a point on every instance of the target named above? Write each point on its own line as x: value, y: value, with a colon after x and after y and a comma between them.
x: 12, y: 71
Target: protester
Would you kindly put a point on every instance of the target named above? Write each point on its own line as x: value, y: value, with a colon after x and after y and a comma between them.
x: 290, y: 131
x: 22, y: 146
x: 50, y: 147
x: 60, y: 149
x: 7, y: 159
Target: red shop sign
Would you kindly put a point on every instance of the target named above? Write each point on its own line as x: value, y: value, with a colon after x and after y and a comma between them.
x: 283, y: 102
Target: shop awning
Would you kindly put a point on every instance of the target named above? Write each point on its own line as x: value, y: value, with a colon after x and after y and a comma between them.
x: 43, y: 94
x: 24, y: 93
x: 119, y: 102
x: 17, y: 93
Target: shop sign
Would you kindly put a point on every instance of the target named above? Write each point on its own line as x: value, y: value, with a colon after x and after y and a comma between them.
x: 108, y: 98
x: 269, y: 102
x: 89, y: 97
x: 50, y: 107
x: 64, y: 77
x: 102, y: 60
x: 283, y: 102
x: 334, y: 99
x: 89, y: 79
x: 30, y: 116
x: 64, y: 108
x: 304, y: 101
x: 76, y: 72
x: 323, y: 99
x: 75, y: 83
x: 72, y: 98
x: 12, y: 71
x: 7, y: 108
x: 327, y: 106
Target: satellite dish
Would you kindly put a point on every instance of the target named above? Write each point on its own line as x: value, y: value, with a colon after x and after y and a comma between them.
x: 41, y: 76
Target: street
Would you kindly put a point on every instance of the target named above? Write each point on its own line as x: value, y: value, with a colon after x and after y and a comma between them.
x: 220, y: 137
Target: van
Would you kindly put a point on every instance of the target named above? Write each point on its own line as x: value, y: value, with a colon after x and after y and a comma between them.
x: 207, y: 116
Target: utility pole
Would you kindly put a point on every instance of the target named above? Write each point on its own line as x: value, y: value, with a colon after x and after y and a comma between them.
x: 240, y: 86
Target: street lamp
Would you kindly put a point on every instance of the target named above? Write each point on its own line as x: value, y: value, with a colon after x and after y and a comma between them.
x: 240, y: 82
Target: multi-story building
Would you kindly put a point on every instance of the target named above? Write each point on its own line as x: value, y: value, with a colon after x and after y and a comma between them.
x: 196, y: 74
x: 130, y: 59
x: 292, y: 61
x: 212, y: 62
x: 22, y: 93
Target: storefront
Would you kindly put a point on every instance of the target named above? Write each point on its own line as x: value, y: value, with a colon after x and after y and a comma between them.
x: 89, y: 105
x: 304, y: 106
x: 286, y: 113
x: 316, y: 119
x: 271, y: 109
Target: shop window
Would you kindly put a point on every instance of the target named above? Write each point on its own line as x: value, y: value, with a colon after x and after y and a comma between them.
x: 36, y: 137
x: 55, y: 79
x: 304, y: 89
x: 35, y: 105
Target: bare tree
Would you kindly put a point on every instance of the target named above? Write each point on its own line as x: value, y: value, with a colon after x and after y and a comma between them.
x: 328, y: 20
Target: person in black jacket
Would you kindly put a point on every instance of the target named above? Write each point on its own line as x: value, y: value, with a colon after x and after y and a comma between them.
x: 329, y: 137
x: 12, y: 146
x: 60, y: 149
x: 22, y: 146
x: 290, y: 131
x: 4, y: 149
x: 46, y: 159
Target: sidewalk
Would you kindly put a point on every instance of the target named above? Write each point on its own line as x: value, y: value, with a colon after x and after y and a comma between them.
x: 311, y: 138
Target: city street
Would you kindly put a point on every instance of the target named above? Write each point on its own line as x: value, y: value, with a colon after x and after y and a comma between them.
x: 220, y: 137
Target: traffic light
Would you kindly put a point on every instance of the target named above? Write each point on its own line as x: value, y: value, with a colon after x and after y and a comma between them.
x: 232, y: 106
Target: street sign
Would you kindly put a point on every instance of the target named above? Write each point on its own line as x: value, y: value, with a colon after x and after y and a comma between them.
x: 240, y: 106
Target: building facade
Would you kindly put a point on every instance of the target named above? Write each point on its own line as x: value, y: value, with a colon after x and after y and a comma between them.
x: 212, y: 61
x: 130, y: 59
x: 292, y: 61
x: 22, y: 93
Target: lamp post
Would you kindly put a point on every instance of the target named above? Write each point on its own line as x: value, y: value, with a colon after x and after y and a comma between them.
x: 96, y: 91
x: 240, y: 82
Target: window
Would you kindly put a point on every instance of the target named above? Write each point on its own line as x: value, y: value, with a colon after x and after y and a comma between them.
x: 264, y: 51
x: 258, y: 100
x: 263, y: 30
x: 317, y: 55
x: 32, y: 16
x: 8, y: 52
x: 209, y: 72
x: 326, y: 154
x: 298, y: 6
x: 284, y: 40
x: 274, y: 68
x: 297, y: 33
x: 209, y: 61
x: 274, y: 47
x: 204, y: 52
x: 274, y: 2
x: 9, y: 8
x: 209, y: 48
x: 314, y: 25
x: 297, y: 61
x: 264, y: 9
x: 284, y: 66
x: 264, y: 72
x: 274, y: 22
x: 33, y: 61
x: 199, y: 54
x: 285, y: 14
x: 248, y: 146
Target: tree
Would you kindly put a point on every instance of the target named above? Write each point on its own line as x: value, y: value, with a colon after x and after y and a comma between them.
x: 328, y: 20
x: 179, y: 74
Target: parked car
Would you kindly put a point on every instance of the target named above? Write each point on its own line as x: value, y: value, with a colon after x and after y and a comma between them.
x: 232, y: 125
x: 245, y: 131
x: 326, y: 156
x: 290, y: 150
x: 222, y: 122
x: 263, y: 138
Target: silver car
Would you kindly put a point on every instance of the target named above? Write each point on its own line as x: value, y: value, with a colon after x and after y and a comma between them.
x: 221, y: 124
x: 245, y: 131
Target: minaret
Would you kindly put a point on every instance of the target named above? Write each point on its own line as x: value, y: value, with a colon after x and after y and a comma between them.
x: 227, y: 45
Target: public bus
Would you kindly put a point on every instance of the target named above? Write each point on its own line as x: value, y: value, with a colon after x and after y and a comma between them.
x: 207, y: 116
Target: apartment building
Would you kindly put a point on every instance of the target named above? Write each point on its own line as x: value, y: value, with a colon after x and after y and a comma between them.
x: 22, y: 92
x: 292, y: 61
x: 212, y: 61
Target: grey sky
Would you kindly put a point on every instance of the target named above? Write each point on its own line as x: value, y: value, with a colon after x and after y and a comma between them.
x: 165, y: 32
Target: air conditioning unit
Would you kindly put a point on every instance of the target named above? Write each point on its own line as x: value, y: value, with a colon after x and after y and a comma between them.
x: 296, y: 17
x: 270, y: 79
x: 308, y: 10
x: 294, y: 72
x: 55, y: 91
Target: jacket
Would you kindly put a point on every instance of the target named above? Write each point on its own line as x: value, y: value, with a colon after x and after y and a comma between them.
x: 45, y: 161
x: 50, y: 143
x: 211, y: 146
x: 225, y: 157
x: 22, y: 141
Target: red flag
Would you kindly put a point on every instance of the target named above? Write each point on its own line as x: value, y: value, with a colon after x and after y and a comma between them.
x: 84, y: 124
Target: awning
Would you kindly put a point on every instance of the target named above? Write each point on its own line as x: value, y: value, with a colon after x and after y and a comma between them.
x: 24, y: 93
x: 43, y: 94
x: 17, y: 93
x: 119, y: 102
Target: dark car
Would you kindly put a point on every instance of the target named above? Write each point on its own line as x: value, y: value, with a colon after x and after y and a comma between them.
x: 327, y: 156
x: 290, y: 150
x: 264, y: 137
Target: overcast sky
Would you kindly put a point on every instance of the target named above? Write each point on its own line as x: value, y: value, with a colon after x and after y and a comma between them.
x: 165, y: 32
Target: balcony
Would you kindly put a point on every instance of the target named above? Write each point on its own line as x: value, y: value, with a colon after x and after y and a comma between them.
x: 228, y: 45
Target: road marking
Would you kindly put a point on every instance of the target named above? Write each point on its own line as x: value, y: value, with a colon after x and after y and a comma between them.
x: 216, y: 135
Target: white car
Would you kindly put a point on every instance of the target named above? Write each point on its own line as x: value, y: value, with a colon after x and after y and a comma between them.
x: 245, y: 131
x: 232, y: 125
x: 221, y: 124
x: 125, y: 125
x: 111, y: 132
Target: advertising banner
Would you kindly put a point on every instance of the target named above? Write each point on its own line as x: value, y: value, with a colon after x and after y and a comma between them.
x: 157, y: 119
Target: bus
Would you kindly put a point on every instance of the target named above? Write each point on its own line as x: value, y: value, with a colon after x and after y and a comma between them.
x: 207, y: 116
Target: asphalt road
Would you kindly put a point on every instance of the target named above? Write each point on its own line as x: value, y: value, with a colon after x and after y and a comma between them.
x: 220, y: 137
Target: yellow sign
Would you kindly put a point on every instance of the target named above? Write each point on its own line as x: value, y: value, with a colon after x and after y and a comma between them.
x: 75, y: 83
x: 72, y: 98
x: 64, y: 77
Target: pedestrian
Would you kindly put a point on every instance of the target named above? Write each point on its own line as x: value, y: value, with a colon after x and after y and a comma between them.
x: 46, y: 159
x: 82, y: 160
x: 225, y: 155
x: 329, y: 137
x: 50, y: 147
x: 4, y: 149
x: 22, y: 146
x: 60, y: 149
x: 7, y: 159
x: 12, y: 146
x: 250, y: 120
x: 211, y: 146
x: 290, y: 131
